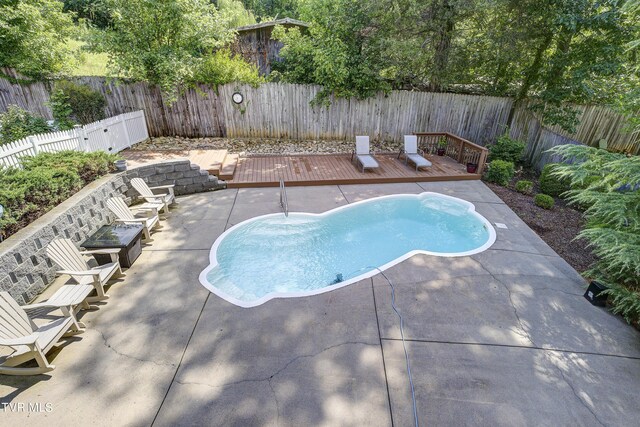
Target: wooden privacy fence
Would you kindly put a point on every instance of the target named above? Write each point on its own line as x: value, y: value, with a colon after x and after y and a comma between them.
x: 459, y: 149
x: 277, y: 110
x: 113, y: 134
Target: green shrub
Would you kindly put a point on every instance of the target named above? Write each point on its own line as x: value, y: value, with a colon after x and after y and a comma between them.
x: 79, y: 103
x: 544, y: 201
x: 61, y: 110
x: 17, y: 123
x: 507, y: 149
x: 500, y: 172
x: 608, y: 184
x: 222, y: 67
x: 45, y: 181
x: 524, y: 186
x: 550, y: 183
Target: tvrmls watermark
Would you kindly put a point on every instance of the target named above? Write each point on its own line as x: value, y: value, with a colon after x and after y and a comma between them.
x: 29, y: 407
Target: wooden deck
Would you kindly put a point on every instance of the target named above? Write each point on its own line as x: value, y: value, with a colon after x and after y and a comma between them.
x: 339, y: 169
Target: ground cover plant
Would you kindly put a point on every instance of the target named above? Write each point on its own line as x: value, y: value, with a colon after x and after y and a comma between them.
x: 608, y: 185
x: 45, y: 181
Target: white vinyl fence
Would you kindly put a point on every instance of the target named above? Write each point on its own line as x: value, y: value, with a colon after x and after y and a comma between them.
x: 112, y: 135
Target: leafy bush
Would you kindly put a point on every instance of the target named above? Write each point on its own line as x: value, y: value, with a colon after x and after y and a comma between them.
x: 17, y: 123
x: 507, y: 149
x: 45, y: 181
x: 524, y: 186
x: 79, y: 103
x: 544, y: 201
x: 500, y: 172
x: 61, y: 110
x: 222, y: 67
x: 613, y: 219
x: 550, y: 183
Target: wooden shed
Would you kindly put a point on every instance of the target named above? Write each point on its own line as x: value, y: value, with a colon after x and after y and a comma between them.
x: 254, y: 42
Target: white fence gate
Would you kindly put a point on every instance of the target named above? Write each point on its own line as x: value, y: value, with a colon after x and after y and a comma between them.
x: 112, y: 135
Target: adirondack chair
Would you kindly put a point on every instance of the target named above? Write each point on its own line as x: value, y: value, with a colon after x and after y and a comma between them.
x: 28, y: 340
x: 411, y: 151
x: 146, y: 192
x: 64, y: 253
x: 125, y: 216
x: 363, y: 154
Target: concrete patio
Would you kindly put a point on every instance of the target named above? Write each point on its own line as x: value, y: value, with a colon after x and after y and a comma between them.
x: 503, y: 337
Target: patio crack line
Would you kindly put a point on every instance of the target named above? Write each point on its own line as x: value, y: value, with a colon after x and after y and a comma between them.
x: 275, y: 399
x: 128, y: 356
x: 524, y: 333
x: 226, y: 226
x: 384, y: 366
x: 279, y: 371
x: 181, y: 359
x: 523, y: 347
x: 573, y: 390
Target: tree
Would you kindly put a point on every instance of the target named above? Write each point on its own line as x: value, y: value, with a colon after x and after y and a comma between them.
x: 161, y: 41
x: 342, y: 51
x: 33, y: 37
x: 608, y: 185
x: 270, y: 9
x: 94, y: 11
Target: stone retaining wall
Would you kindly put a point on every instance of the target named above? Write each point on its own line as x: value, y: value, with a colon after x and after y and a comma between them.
x: 25, y: 269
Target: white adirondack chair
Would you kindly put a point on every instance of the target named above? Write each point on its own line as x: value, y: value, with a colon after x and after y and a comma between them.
x: 125, y: 216
x: 146, y: 192
x: 411, y: 152
x: 28, y: 340
x: 64, y: 253
x: 363, y: 154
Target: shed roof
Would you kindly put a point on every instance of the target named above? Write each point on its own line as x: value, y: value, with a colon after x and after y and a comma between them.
x: 283, y: 21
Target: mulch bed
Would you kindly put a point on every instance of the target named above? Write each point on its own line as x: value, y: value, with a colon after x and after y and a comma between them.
x: 558, y: 226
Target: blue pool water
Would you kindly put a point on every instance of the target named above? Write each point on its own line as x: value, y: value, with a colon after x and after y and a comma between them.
x: 277, y: 256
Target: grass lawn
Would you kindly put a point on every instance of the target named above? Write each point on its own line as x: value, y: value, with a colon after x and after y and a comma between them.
x: 90, y: 64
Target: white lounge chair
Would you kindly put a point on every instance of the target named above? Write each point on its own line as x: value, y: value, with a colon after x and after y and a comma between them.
x: 363, y: 154
x: 146, y: 192
x: 64, y: 253
x: 410, y: 153
x: 125, y: 216
x: 28, y: 340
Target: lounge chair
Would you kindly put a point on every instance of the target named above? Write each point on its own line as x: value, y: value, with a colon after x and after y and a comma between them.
x: 410, y: 153
x: 146, y: 192
x: 125, y: 216
x: 363, y: 154
x: 28, y: 340
x: 64, y: 253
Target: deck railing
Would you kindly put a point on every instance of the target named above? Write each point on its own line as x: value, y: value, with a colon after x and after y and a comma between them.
x: 459, y: 149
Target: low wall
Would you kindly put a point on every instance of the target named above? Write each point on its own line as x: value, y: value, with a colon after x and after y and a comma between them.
x: 25, y: 269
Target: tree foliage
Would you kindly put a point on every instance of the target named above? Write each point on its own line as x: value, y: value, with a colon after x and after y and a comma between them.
x: 552, y: 51
x: 33, y: 37
x: 161, y: 41
x: 608, y: 184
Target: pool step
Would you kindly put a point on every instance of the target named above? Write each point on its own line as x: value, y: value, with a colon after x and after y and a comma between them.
x: 228, y: 167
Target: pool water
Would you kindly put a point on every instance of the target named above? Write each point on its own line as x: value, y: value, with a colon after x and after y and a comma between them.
x: 302, y: 254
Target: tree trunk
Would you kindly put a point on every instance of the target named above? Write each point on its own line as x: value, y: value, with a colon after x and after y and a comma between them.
x: 534, y: 70
x: 444, y: 14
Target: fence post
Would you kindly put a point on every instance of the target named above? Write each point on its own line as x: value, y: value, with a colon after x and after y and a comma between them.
x: 126, y: 131
x: 34, y: 144
x: 82, y: 138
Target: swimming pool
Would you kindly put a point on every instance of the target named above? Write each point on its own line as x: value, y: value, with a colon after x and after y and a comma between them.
x: 273, y: 256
